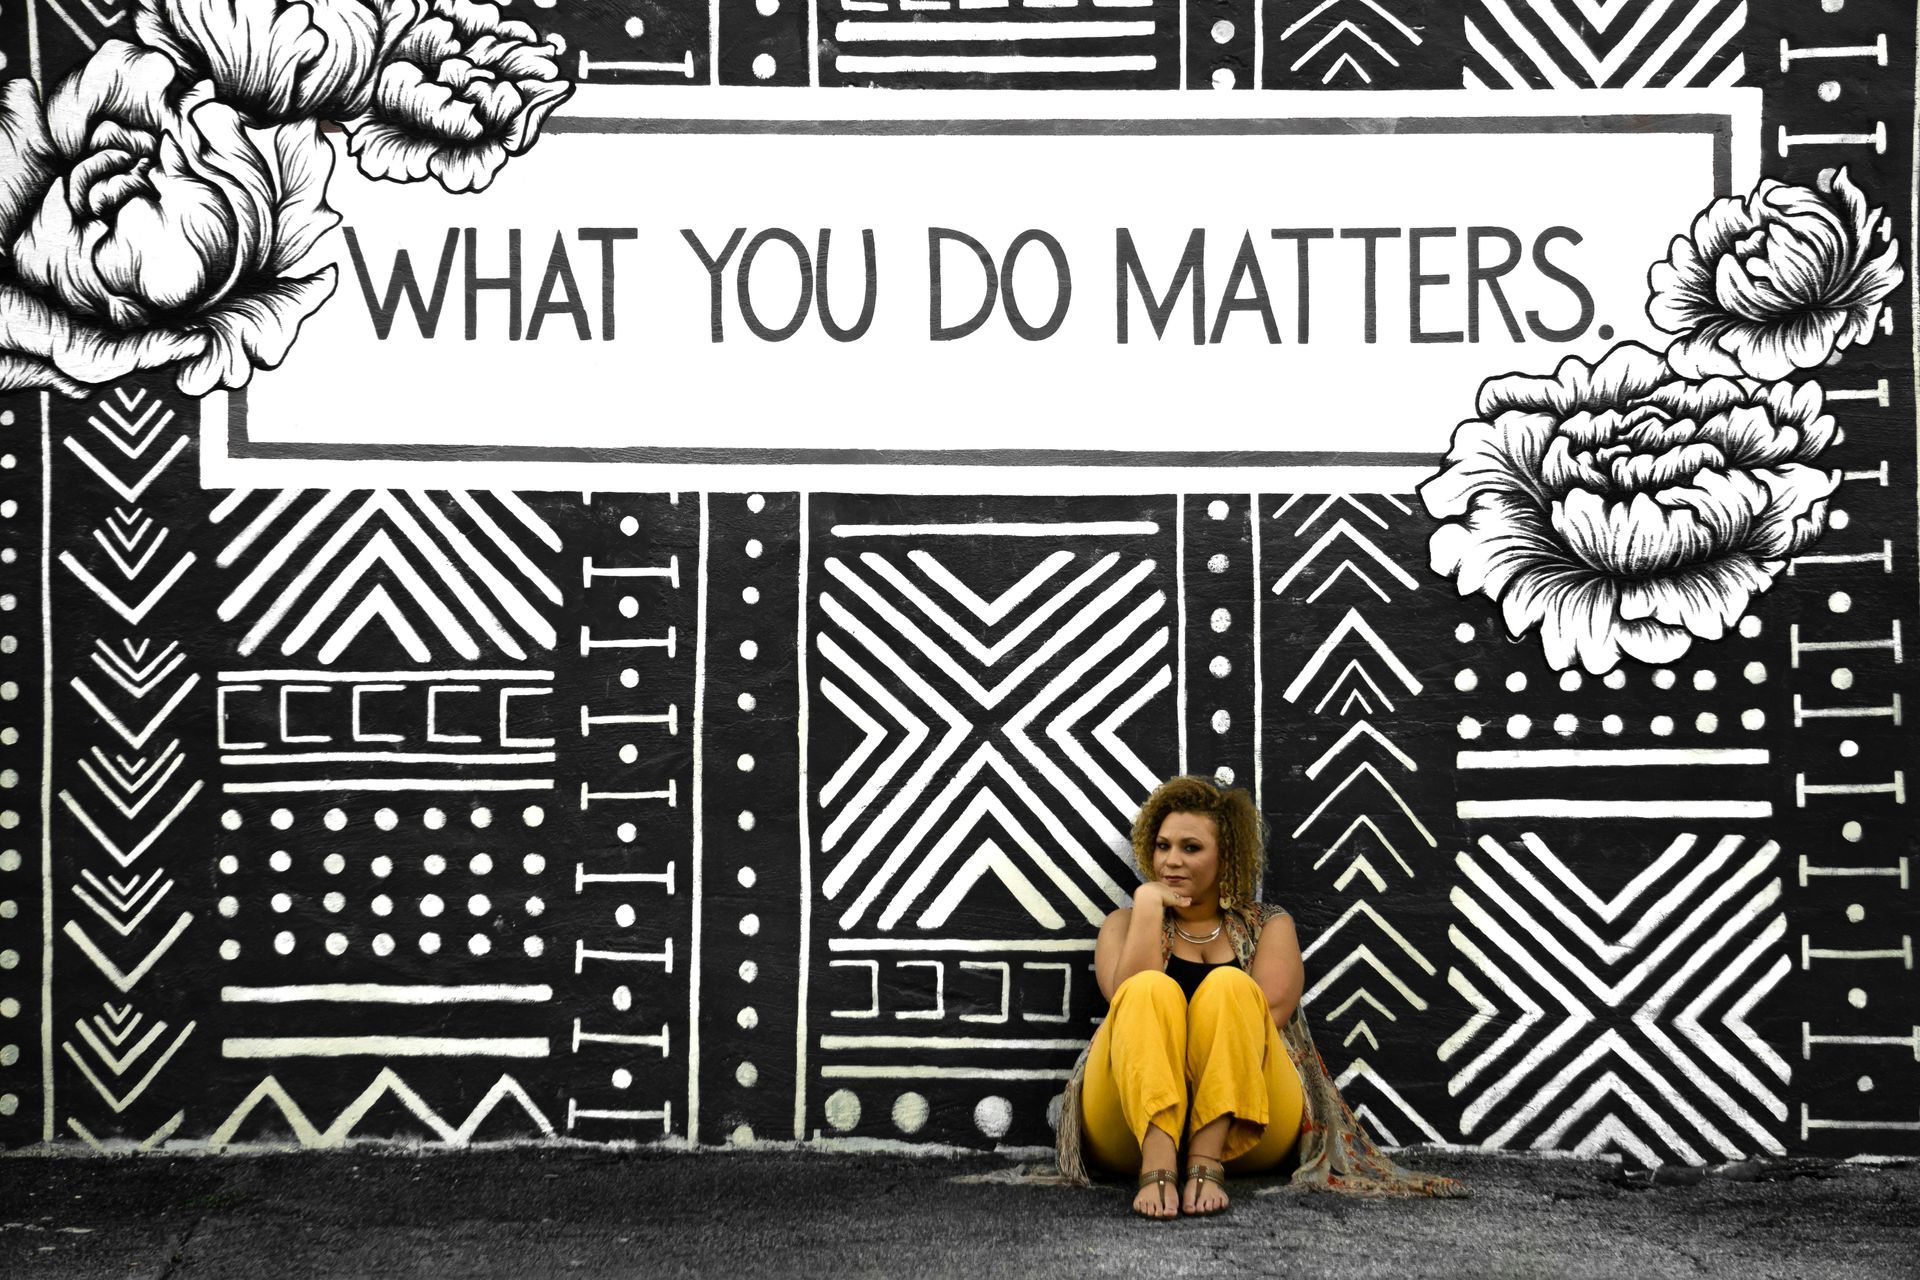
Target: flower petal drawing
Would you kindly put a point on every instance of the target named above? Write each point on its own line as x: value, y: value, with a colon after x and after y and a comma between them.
x: 1774, y: 282
x: 465, y: 90
x: 158, y: 229
x: 1625, y: 511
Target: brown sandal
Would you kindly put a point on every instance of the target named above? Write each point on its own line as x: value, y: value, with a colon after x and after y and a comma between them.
x: 1216, y: 1174
x: 1159, y: 1178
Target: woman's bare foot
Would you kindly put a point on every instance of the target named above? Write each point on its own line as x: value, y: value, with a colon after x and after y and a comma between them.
x: 1160, y: 1198
x: 1206, y: 1194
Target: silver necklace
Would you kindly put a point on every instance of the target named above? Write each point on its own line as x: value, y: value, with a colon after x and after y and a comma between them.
x: 1203, y: 940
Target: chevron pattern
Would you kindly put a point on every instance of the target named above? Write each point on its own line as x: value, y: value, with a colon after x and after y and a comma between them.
x: 92, y: 21
x: 1356, y: 820
x: 1619, y: 1023
x: 1343, y: 44
x: 118, y: 1071
x: 441, y: 576
x: 127, y: 902
x: 1350, y: 682
x: 1364, y: 974
x: 140, y: 441
x: 126, y: 778
x: 1605, y: 44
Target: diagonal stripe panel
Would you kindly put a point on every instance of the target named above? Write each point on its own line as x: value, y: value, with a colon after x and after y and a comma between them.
x: 987, y: 711
x: 1627, y: 1025
x: 1563, y: 44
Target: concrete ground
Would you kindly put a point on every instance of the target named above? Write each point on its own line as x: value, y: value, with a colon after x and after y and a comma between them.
x: 527, y: 1212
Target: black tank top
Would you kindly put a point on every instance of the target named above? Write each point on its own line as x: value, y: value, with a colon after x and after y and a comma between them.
x: 1191, y: 973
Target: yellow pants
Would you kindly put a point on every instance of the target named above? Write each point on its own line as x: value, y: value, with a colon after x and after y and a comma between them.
x: 1160, y: 1060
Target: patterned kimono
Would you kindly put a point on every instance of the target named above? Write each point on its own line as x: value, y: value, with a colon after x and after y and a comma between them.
x: 1335, y: 1153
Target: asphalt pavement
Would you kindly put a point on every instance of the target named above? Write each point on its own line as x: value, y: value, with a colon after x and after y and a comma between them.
x: 590, y: 1211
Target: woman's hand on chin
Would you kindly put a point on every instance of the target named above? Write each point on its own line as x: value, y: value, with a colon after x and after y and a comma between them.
x: 1160, y: 894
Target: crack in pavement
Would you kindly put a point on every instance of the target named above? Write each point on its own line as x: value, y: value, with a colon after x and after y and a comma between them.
x: 178, y: 1253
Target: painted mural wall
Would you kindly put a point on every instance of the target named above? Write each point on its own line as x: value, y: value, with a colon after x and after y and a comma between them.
x: 617, y: 573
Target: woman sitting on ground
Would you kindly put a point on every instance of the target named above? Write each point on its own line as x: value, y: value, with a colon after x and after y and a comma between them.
x: 1201, y: 977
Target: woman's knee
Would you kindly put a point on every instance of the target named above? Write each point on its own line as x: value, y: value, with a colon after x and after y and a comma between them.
x: 1150, y: 986
x: 1229, y: 984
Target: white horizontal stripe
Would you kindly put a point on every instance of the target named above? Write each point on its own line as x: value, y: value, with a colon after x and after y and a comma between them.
x: 1005, y: 63
x: 1614, y: 809
x: 354, y: 677
x: 937, y: 1073
x: 386, y: 1046
x: 1567, y: 757
x: 960, y: 944
x: 392, y: 784
x: 944, y: 1042
x: 1095, y: 30
x: 386, y: 993
x: 997, y: 529
x: 392, y: 757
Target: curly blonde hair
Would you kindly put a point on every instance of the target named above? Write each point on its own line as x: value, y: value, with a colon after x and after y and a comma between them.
x: 1238, y: 826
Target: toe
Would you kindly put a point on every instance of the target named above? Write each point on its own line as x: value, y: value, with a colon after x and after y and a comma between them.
x: 1152, y: 1200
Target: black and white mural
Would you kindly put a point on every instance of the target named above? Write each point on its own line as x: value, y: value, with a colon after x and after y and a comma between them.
x: 592, y: 573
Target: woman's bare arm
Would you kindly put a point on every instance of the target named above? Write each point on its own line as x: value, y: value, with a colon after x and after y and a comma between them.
x: 1130, y: 937
x: 1278, y: 969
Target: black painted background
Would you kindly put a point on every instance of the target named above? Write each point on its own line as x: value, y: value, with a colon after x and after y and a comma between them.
x: 744, y: 1054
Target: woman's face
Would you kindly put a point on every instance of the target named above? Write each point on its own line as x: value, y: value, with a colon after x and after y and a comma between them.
x: 1186, y: 854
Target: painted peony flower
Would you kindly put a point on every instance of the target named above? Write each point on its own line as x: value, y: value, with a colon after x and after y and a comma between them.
x: 280, y: 61
x: 1774, y: 282
x: 464, y: 91
x: 1627, y: 512
x: 142, y: 225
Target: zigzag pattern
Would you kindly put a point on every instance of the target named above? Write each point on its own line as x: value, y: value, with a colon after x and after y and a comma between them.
x: 1344, y: 43
x: 1604, y: 44
x: 1624, y: 1018
x: 989, y: 733
x: 441, y: 573
x: 386, y: 1084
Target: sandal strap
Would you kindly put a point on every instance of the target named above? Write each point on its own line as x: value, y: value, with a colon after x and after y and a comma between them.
x: 1155, y: 1177
x: 1160, y: 1180
x: 1208, y: 1173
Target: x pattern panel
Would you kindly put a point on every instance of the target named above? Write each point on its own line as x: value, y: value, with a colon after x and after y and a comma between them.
x: 988, y: 701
